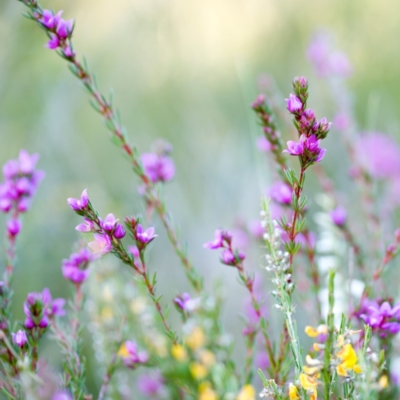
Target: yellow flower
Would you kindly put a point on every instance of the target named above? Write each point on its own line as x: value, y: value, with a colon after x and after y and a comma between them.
x: 206, y: 393
x: 178, y: 352
x: 198, y: 371
x: 196, y: 338
x: 247, y: 393
x: 308, y: 382
x: 349, y: 360
x: 293, y: 393
x: 312, y: 332
x: 123, y: 351
x: 311, y: 370
x: 207, y: 358
x: 383, y: 382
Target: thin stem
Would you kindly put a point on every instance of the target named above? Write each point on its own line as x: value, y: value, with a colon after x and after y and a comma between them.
x: 112, y: 120
x: 298, y: 189
x: 107, y: 378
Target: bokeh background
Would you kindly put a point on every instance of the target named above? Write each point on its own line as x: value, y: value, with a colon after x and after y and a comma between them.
x: 186, y: 71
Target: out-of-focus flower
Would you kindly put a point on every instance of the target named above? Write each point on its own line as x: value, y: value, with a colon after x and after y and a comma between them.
x: 19, y: 338
x: 102, y: 244
x: 348, y: 362
x: 150, y: 384
x: 14, y: 226
x: 75, y: 268
x: 159, y: 168
x: 186, y: 303
x: 383, y: 318
x: 38, y: 307
x: 281, y: 193
x: 379, y: 155
x: 263, y: 144
x: 20, y: 182
x: 61, y: 395
x: 247, y: 393
x: 338, y: 216
x: 130, y: 355
x: 87, y: 226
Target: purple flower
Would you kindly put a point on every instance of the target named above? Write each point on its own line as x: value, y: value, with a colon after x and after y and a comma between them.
x: 256, y: 229
x: 294, y: 104
x: 61, y: 395
x: 146, y: 236
x: 379, y: 155
x: 281, y: 193
x: 75, y: 268
x: 383, y: 318
x: 49, y: 20
x: 159, y: 168
x: 130, y: 354
x: 54, y: 42
x: 229, y: 258
x: 217, y: 242
x: 259, y: 102
x: 64, y: 28
x: 263, y: 144
x: 14, y: 227
x: 294, y: 148
x: 338, y: 216
x: 339, y: 64
x: 150, y: 385
x: 79, y: 205
x: 186, y: 303
x: 68, y: 51
x: 102, y: 244
x: 109, y: 222
x: 119, y: 232
x: 19, y: 338
x: 87, y: 226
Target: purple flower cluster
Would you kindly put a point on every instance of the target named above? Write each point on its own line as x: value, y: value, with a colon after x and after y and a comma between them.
x: 130, y: 354
x: 324, y: 60
x: 39, y: 307
x: 158, y: 167
x: 20, y: 184
x: 59, y: 31
x: 223, y: 240
x: 310, y: 130
x: 379, y: 155
x: 383, y: 318
x: 75, y: 268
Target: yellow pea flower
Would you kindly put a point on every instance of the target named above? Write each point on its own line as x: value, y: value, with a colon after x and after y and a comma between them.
x: 247, y: 393
x: 198, y: 371
x: 293, y: 393
x: 179, y: 352
x: 196, y: 339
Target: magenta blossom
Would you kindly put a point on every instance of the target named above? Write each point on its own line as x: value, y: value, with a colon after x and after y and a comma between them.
x: 230, y: 258
x: 220, y: 236
x: 102, y: 244
x: 338, y: 216
x: 382, y: 318
x: 294, y: 148
x: 146, y: 236
x: 294, y: 104
x: 87, y: 226
x: 14, y: 227
x: 150, y: 385
x: 75, y: 268
x: 19, y: 338
x: 81, y: 204
x: 49, y: 20
x: 281, y: 193
x: 263, y: 144
x: 159, y: 168
x: 109, y: 222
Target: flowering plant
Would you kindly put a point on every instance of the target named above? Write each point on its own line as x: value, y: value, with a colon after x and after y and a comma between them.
x: 353, y: 318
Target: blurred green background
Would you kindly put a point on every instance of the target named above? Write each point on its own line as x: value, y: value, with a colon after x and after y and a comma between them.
x: 186, y: 71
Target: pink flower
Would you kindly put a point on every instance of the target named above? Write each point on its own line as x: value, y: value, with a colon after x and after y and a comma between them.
x: 19, y: 338
x: 54, y: 42
x: 338, y: 216
x: 294, y: 148
x: 146, y: 236
x: 294, y: 104
x: 79, y: 205
x: 101, y: 245
x: 281, y: 193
